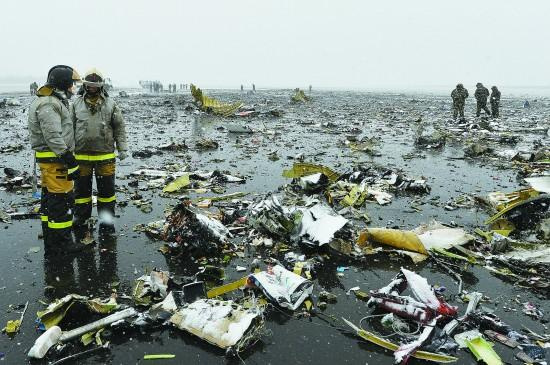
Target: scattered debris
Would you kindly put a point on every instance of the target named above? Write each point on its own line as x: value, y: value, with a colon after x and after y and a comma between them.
x: 221, y: 323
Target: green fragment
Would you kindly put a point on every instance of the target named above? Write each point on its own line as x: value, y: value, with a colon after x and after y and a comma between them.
x: 487, y: 235
x: 361, y: 295
x: 158, y: 356
x: 443, y: 252
x: 55, y: 312
x: 483, y: 350
x: 102, y: 307
x: 178, y: 184
x: 356, y: 196
x: 87, y: 338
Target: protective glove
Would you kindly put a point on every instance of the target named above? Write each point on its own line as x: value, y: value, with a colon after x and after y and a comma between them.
x: 73, y: 171
x: 122, y: 155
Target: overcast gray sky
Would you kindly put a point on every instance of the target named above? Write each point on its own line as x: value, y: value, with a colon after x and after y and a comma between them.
x: 284, y: 43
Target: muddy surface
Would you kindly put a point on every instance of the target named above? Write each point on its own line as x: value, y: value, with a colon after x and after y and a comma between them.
x: 317, y: 131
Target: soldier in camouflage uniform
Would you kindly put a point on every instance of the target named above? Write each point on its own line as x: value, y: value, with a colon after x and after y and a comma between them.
x: 459, y: 96
x: 481, y: 94
x: 495, y: 101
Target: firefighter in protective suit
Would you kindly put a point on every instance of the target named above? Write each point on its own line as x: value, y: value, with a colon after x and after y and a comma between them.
x: 99, y: 128
x: 52, y: 139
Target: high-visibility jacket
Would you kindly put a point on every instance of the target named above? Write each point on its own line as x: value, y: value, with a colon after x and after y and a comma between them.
x: 50, y: 126
x: 99, y: 129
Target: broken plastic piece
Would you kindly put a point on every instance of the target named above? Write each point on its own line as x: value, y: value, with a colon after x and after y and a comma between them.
x: 305, y: 169
x: 319, y: 224
x: 220, y: 290
x: 12, y: 326
x: 483, y: 350
x: 178, y: 184
x: 283, y: 287
x: 461, y: 338
x: 221, y: 323
x: 151, y: 286
x: 361, y: 295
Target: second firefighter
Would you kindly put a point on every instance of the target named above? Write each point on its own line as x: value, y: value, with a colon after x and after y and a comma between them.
x: 99, y: 129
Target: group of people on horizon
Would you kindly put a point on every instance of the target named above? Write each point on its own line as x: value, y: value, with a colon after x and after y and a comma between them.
x: 460, y: 93
x: 158, y: 87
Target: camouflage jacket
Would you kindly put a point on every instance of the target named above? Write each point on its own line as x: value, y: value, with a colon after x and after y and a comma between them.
x: 481, y: 94
x: 495, y: 96
x: 459, y: 95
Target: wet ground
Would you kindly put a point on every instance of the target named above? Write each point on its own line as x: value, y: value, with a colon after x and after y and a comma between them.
x: 316, y: 131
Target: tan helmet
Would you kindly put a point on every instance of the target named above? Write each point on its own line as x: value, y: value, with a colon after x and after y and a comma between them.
x: 93, y: 78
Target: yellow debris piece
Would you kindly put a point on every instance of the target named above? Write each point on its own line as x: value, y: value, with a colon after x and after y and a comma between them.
x: 209, y: 104
x: 220, y: 290
x: 305, y: 169
x: 12, y: 326
x: 406, y: 240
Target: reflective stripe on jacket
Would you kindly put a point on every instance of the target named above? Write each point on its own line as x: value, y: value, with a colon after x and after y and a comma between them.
x: 98, y: 133
x: 50, y: 126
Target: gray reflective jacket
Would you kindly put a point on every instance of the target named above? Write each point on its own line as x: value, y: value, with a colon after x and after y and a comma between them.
x: 98, y: 131
x: 50, y: 125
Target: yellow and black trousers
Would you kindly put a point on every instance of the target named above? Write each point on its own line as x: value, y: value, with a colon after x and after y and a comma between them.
x: 56, y: 206
x: 103, y: 167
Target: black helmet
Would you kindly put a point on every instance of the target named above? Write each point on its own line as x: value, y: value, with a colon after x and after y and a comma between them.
x: 62, y: 77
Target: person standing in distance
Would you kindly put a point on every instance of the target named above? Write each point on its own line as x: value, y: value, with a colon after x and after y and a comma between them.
x: 481, y: 95
x: 459, y: 96
x: 495, y: 102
